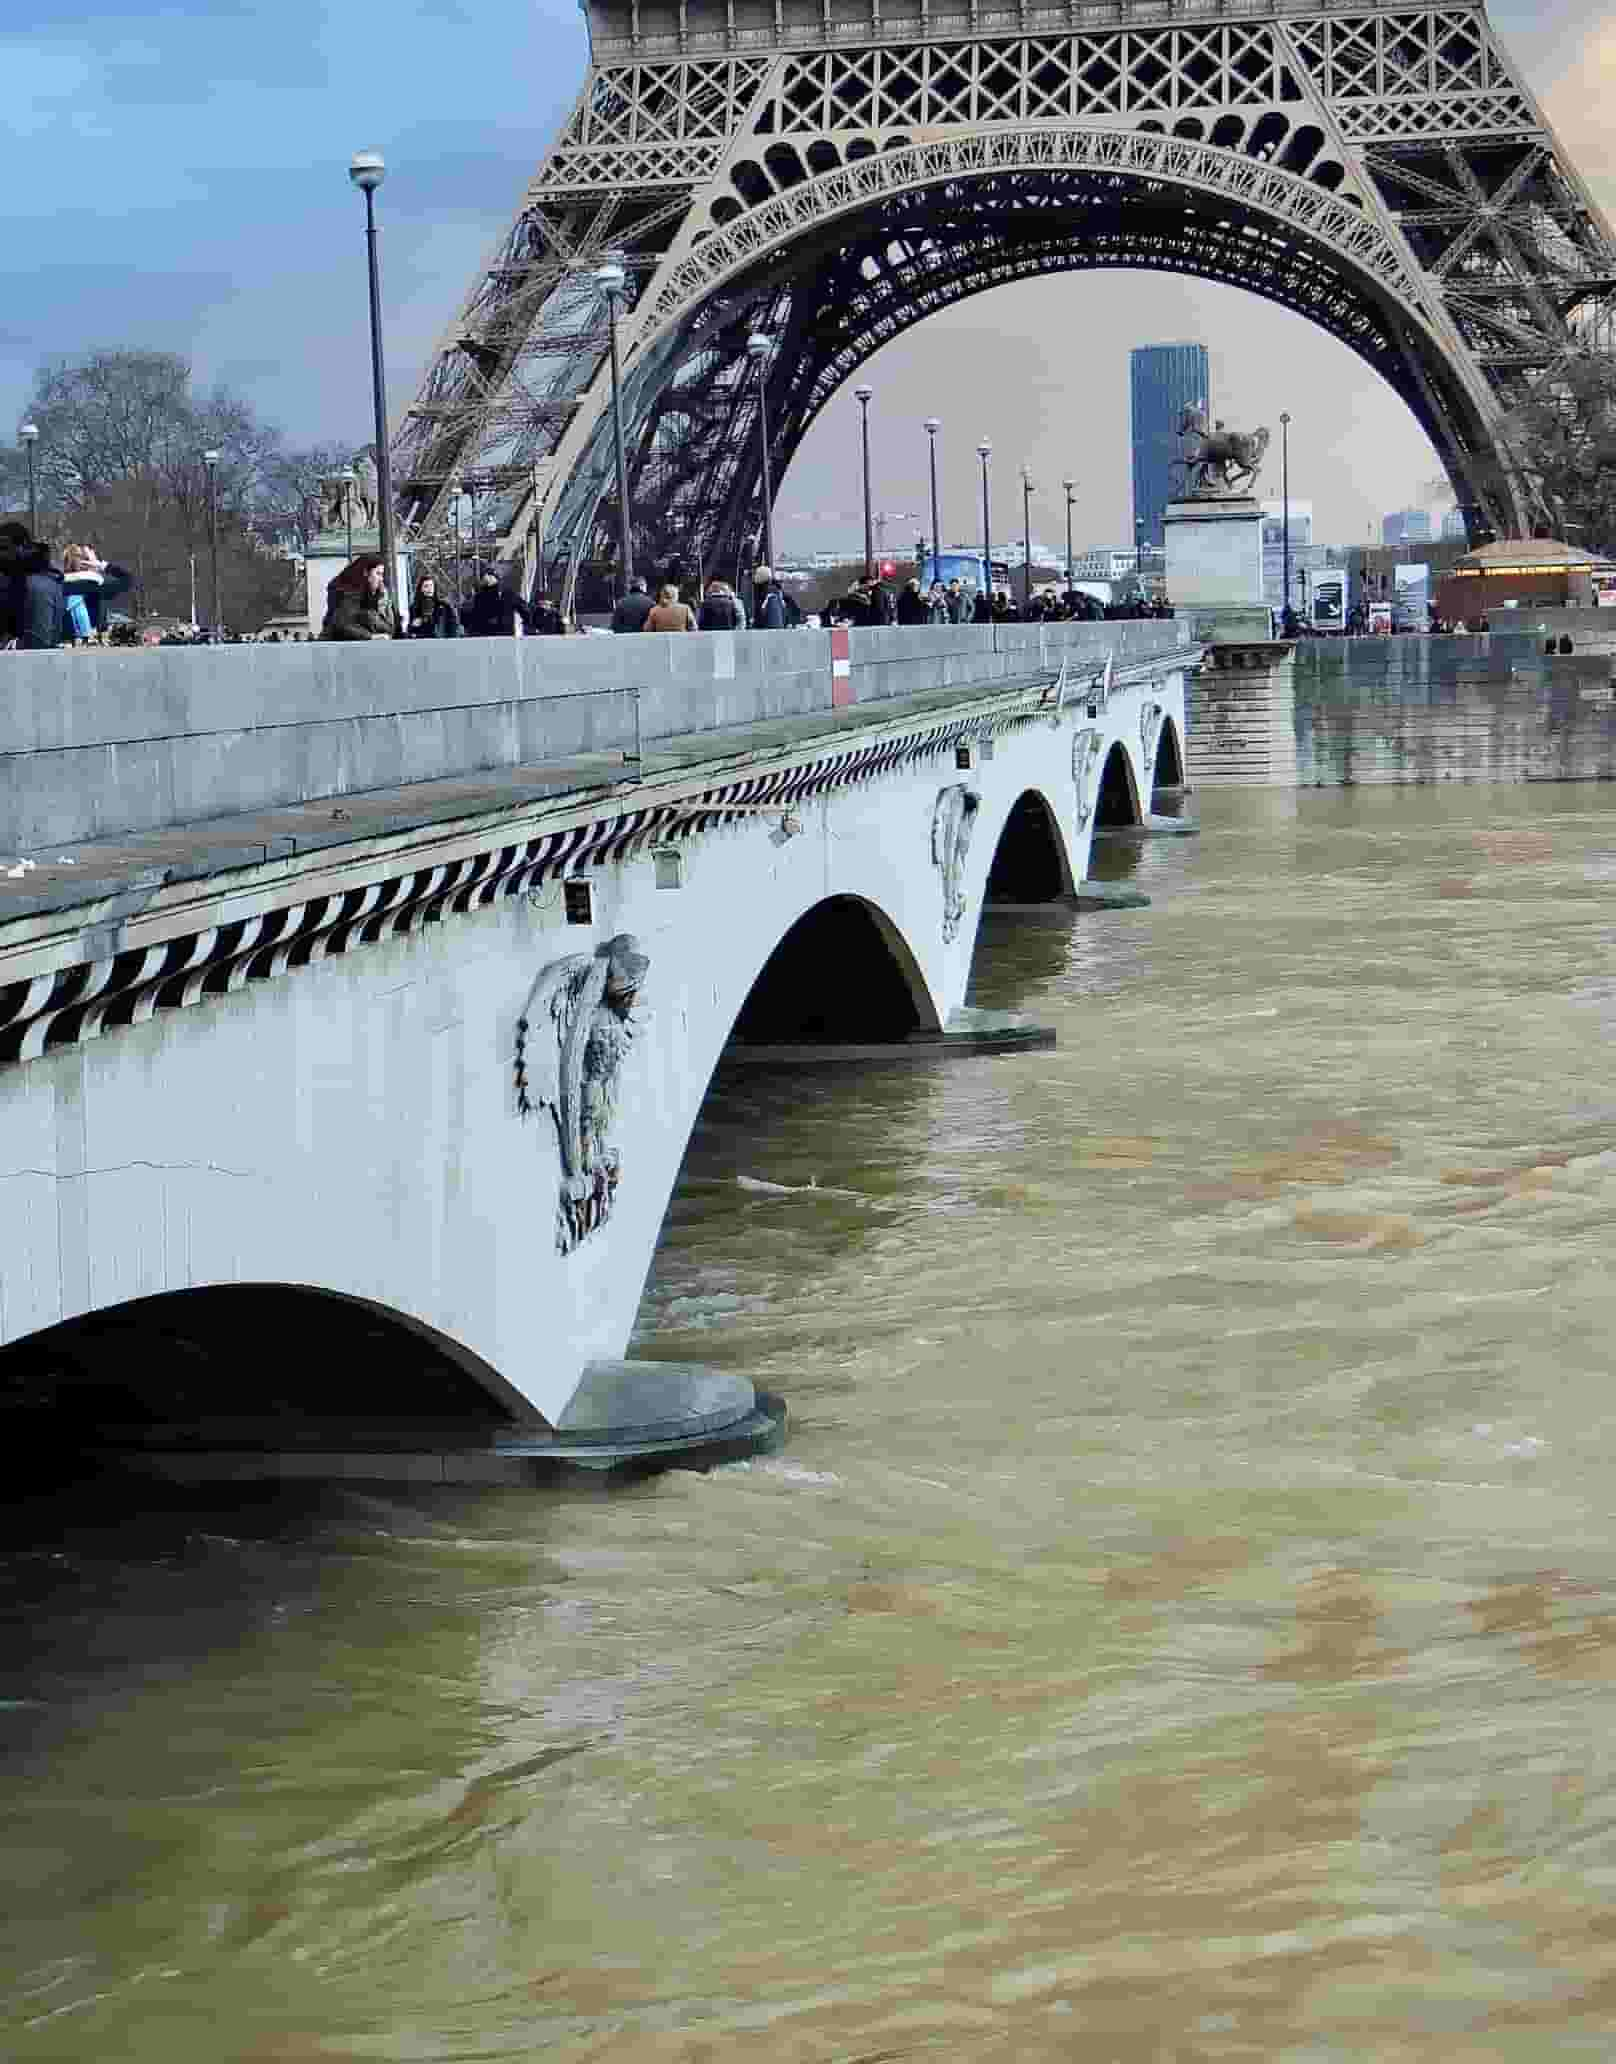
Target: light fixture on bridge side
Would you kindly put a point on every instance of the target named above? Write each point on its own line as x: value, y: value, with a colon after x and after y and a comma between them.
x: 931, y: 426
x: 210, y: 466
x: 1071, y: 584
x: 578, y: 901
x: 28, y: 437
x: 984, y: 452
x: 612, y: 279
x: 669, y: 863
x: 759, y: 349
x: 863, y: 396
x: 367, y: 170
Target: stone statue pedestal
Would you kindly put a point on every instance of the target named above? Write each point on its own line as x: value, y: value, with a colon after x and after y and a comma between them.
x: 1215, y: 553
x: 328, y: 554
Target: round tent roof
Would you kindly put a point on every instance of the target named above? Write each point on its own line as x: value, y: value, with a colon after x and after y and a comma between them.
x: 1528, y: 555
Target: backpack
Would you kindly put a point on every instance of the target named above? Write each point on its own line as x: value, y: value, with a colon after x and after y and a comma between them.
x: 76, y: 624
x: 720, y: 613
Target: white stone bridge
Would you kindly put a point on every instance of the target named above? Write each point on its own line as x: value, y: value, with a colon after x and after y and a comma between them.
x: 356, y: 1002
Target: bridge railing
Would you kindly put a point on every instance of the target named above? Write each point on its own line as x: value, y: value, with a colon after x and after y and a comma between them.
x: 107, y: 742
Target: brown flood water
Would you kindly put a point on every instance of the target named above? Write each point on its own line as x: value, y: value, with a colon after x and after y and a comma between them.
x: 1182, y: 1626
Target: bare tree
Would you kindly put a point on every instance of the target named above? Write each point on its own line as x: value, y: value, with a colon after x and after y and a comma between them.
x: 1560, y: 446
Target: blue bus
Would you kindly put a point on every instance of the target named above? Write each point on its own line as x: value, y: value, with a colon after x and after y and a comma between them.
x: 961, y: 566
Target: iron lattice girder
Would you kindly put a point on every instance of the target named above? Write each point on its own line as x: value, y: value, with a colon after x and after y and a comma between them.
x: 1410, y: 196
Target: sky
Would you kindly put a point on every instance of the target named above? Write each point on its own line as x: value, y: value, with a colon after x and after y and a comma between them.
x: 177, y: 180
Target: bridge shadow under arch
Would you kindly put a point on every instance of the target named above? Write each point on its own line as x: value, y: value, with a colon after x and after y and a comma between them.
x: 1030, y: 864
x: 1117, y: 806
x: 1169, y: 771
x: 842, y: 974
x: 244, y: 1356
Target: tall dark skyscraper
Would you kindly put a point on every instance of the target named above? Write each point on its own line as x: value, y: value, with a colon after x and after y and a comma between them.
x: 1166, y: 380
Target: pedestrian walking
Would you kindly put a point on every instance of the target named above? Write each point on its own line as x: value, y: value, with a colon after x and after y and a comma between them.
x: 769, y: 602
x: 357, y: 604
x: 90, y: 582
x: 937, y: 605
x: 493, y: 612
x: 30, y: 592
x: 545, y: 620
x: 635, y: 607
x: 668, y: 613
x: 720, y: 609
x: 431, y: 616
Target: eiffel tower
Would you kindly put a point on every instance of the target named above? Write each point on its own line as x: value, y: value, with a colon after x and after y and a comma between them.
x: 824, y: 173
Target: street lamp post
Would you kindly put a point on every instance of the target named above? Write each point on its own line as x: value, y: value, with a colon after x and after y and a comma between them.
x: 984, y: 452
x: 1026, y: 542
x: 367, y: 170
x: 1071, y: 583
x: 210, y: 462
x: 459, y: 563
x: 1285, y: 511
x: 612, y: 279
x: 758, y: 348
x: 862, y: 396
x: 932, y: 426
x: 29, y: 434
x: 350, y: 480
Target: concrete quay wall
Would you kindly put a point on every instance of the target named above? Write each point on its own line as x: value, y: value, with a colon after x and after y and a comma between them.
x: 101, y: 743
x: 1484, y: 708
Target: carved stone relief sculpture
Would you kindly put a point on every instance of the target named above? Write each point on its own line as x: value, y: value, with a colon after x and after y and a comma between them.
x: 953, y: 819
x: 1150, y: 723
x: 571, y: 1039
x: 1087, y: 745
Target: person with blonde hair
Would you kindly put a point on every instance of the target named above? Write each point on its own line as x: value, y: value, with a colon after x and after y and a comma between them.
x: 92, y: 582
x: 668, y: 613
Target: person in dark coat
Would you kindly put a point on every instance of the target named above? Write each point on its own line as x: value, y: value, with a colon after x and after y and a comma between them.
x: 431, y: 616
x: 635, y: 607
x: 913, y: 608
x: 493, y: 612
x: 720, y: 609
x: 357, y: 604
x: 982, y: 607
x: 30, y: 592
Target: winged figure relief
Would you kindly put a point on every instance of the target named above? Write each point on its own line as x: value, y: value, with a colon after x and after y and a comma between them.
x: 571, y: 1040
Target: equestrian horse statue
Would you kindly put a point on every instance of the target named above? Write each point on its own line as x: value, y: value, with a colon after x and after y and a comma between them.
x: 1217, y: 461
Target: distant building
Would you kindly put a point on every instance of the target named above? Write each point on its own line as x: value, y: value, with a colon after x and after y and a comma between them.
x: 1103, y: 563
x: 1406, y: 527
x: 1307, y: 558
x: 1453, y: 525
x: 1165, y: 379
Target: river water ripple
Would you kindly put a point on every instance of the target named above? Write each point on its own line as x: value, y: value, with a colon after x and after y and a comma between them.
x: 1182, y: 1626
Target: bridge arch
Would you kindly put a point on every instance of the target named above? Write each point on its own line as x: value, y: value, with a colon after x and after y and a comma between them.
x: 240, y: 1354
x: 843, y: 972
x: 1168, y: 772
x: 1117, y: 802
x: 834, y: 263
x: 1031, y: 862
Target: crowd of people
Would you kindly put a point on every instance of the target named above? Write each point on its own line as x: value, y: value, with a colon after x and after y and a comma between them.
x: 43, y: 606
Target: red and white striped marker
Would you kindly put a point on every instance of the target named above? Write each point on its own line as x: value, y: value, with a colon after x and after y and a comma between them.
x: 841, y: 668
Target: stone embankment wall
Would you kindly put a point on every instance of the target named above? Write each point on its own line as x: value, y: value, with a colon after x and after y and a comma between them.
x: 101, y: 743
x: 1333, y: 712
x: 1484, y: 708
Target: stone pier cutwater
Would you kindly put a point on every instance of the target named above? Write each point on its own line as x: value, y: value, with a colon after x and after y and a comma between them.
x: 356, y: 1002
